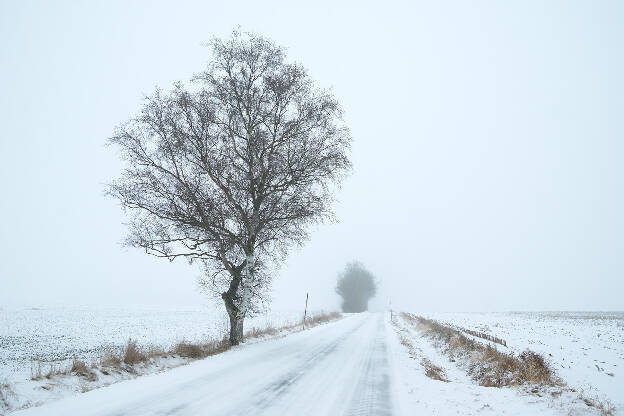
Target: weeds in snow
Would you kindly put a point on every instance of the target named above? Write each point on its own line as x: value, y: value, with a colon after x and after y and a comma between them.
x: 84, y: 388
x: 488, y: 366
x: 206, y: 349
x: 604, y: 406
x: 201, y: 350
x: 37, y: 372
x: 5, y: 392
x: 189, y: 350
x: 81, y: 369
x: 128, y: 356
x: 153, y: 353
x: 322, y: 318
x: 110, y: 360
x: 261, y: 332
x: 133, y: 354
x: 433, y: 371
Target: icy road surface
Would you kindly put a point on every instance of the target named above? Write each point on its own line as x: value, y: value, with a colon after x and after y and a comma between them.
x: 341, y: 368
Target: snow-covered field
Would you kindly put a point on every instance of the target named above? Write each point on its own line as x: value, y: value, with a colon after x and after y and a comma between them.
x: 57, y: 335
x: 52, y: 338
x: 585, y: 348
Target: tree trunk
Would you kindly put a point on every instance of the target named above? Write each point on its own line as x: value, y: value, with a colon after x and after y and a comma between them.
x: 237, y: 298
x: 236, y: 329
x: 236, y: 319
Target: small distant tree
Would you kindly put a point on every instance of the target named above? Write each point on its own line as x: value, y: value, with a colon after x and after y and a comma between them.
x: 233, y: 171
x: 356, y: 286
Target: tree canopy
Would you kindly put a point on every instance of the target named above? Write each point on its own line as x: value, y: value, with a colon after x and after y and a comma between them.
x: 356, y: 286
x: 231, y: 170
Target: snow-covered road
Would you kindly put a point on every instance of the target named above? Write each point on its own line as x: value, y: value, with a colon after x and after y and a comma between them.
x: 341, y: 368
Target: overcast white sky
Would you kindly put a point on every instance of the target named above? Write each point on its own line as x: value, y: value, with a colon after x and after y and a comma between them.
x: 488, y: 148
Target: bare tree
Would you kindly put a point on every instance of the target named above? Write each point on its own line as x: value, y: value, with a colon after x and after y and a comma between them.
x: 233, y: 171
x: 356, y: 286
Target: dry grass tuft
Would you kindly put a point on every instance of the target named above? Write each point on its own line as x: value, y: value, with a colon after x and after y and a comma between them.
x: 433, y: 371
x: 260, y: 332
x: 216, y: 347
x: 55, y: 371
x: 37, y: 373
x: 534, y: 368
x: 154, y: 352
x: 133, y: 354
x: 81, y: 369
x: 604, y: 406
x: 110, y: 360
x: 322, y: 318
x: 186, y: 349
x: 201, y: 350
x: 493, y: 368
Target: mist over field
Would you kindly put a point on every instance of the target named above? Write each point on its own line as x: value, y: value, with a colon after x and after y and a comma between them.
x: 485, y: 154
x: 340, y: 208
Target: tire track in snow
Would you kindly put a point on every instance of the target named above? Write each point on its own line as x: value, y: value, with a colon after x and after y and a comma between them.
x: 372, y: 393
x: 279, y: 389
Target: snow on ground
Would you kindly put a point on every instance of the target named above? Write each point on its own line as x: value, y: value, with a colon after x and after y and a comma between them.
x: 355, y: 366
x: 57, y: 335
x: 460, y: 394
x: 52, y: 338
x: 340, y: 368
x: 585, y: 348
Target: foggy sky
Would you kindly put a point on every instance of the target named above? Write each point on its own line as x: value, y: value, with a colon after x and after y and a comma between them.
x: 488, y: 149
